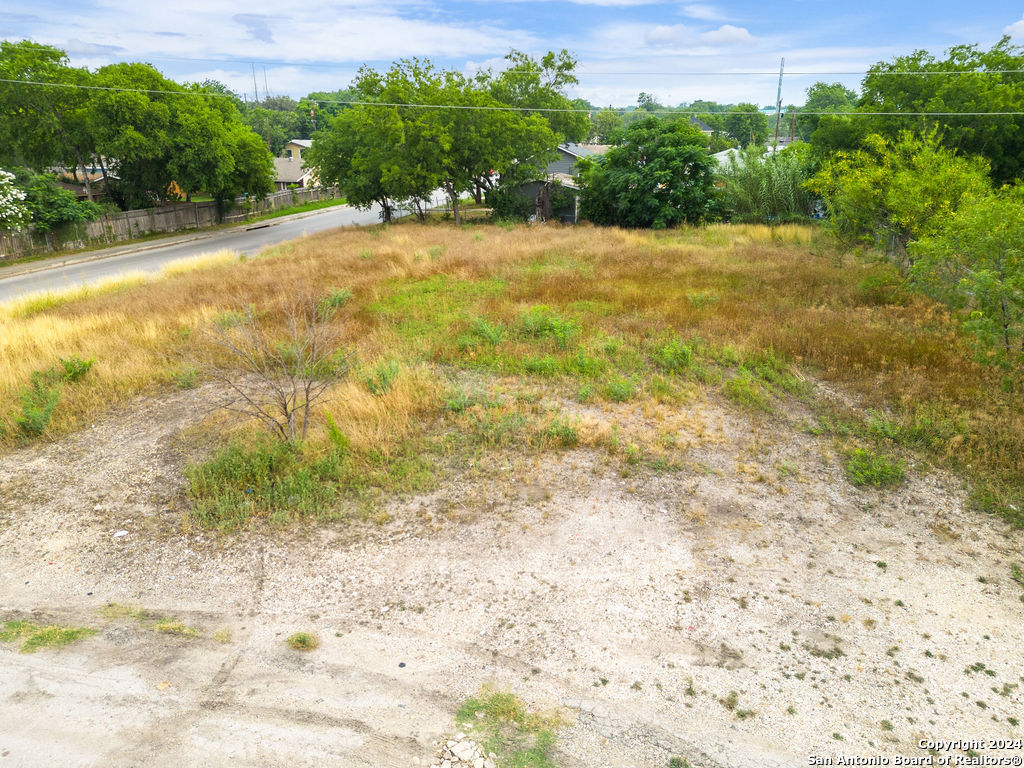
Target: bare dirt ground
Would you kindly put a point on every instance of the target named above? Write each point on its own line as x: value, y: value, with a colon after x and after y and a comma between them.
x: 845, y: 621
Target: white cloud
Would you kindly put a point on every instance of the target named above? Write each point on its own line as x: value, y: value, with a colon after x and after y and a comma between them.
x: 665, y: 35
x: 703, y: 12
x: 727, y: 34
x: 1016, y: 30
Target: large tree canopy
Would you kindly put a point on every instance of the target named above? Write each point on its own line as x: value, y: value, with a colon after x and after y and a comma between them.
x: 980, y: 84
x: 386, y: 152
x: 658, y: 175
x: 147, y: 130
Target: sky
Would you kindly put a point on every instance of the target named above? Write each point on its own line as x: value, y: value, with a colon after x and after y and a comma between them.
x: 677, y: 51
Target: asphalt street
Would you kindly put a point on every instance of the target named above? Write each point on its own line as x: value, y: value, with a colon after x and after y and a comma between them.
x: 84, y: 268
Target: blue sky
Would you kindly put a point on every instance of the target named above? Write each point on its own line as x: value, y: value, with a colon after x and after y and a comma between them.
x: 319, y: 44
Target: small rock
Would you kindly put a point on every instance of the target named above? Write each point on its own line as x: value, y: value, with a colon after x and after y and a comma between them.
x: 120, y: 533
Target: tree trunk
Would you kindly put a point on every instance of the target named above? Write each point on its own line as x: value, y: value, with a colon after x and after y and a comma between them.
x: 478, y: 193
x: 454, y: 197
x: 85, y: 174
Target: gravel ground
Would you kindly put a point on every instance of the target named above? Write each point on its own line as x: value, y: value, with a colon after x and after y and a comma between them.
x: 753, y: 609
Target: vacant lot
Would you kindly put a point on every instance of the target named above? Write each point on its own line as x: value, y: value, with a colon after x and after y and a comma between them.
x: 719, y: 494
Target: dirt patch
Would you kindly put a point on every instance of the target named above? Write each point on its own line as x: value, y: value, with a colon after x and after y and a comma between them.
x: 750, y: 609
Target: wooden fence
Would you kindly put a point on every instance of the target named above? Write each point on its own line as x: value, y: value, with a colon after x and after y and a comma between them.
x: 111, y: 229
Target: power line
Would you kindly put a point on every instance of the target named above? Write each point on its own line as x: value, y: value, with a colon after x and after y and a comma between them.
x: 508, y: 108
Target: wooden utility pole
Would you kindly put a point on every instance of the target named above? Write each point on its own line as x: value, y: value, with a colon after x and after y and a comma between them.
x: 778, y: 107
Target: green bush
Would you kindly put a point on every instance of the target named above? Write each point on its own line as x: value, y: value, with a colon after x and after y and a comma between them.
x: 864, y: 467
x: 562, y: 433
x: 747, y: 391
x: 541, y: 322
x: 619, y: 390
x: 674, y: 357
x: 38, y: 402
x: 75, y: 367
x: 508, y: 203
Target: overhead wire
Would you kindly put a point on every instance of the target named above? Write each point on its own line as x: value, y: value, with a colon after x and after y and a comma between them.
x: 511, y: 108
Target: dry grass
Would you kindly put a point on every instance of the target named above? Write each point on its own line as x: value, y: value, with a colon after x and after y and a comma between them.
x: 739, y: 295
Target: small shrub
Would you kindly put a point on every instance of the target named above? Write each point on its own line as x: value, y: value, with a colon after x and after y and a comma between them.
x: 38, y: 402
x: 562, y: 433
x: 187, y: 378
x: 745, y: 390
x: 335, y: 299
x: 674, y: 357
x: 541, y: 322
x: 303, y: 641
x: 492, y: 333
x: 381, y: 377
x: 585, y: 393
x: 863, y: 467
x: 619, y: 390
x: 75, y: 367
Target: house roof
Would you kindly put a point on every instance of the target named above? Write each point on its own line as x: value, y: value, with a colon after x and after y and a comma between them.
x: 289, y: 170
x: 701, y: 125
x: 723, y: 157
x: 307, y: 143
x: 584, y: 150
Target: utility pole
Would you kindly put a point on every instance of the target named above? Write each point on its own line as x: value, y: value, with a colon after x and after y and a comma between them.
x: 266, y: 88
x: 778, y: 107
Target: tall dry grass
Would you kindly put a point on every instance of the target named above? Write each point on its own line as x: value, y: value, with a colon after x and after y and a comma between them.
x: 749, y: 288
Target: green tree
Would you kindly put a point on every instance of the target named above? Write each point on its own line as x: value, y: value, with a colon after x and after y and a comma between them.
x: 983, y: 82
x: 605, y: 124
x: 657, y: 175
x: 51, y: 206
x: 47, y: 124
x: 823, y: 97
x: 974, y: 260
x: 890, y: 192
x: 746, y: 124
x: 541, y: 85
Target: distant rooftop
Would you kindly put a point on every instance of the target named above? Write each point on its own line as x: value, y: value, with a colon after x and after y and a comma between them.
x: 584, y: 150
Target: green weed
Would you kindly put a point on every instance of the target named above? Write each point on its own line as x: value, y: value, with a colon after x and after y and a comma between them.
x: 503, y: 725
x: 379, y: 379
x: 619, y: 390
x: 745, y: 390
x: 541, y: 322
x: 303, y: 641
x: 33, y: 636
x: 864, y: 467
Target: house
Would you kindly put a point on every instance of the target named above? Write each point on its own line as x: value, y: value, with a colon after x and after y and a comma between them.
x: 290, y: 174
x: 570, y: 154
x: 558, y: 178
x: 289, y: 169
x: 296, y: 147
x: 701, y: 126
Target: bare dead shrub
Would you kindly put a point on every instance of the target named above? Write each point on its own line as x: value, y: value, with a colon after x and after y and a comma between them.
x: 276, y: 367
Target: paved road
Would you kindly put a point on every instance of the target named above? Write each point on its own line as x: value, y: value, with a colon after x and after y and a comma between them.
x: 64, y: 272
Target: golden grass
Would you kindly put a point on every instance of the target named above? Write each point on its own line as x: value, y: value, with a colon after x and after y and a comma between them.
x: 741, y: 289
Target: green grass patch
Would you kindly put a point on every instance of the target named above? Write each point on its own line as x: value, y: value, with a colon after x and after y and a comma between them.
x: 34, y: 636
x: 303, y: 641
x: 542, y: 322
x: 316, y: 205
x: 503, y: 725
x: 381, y: 377
x: 619, y: 390
x: 746, y: 390
x: 864, y: 467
